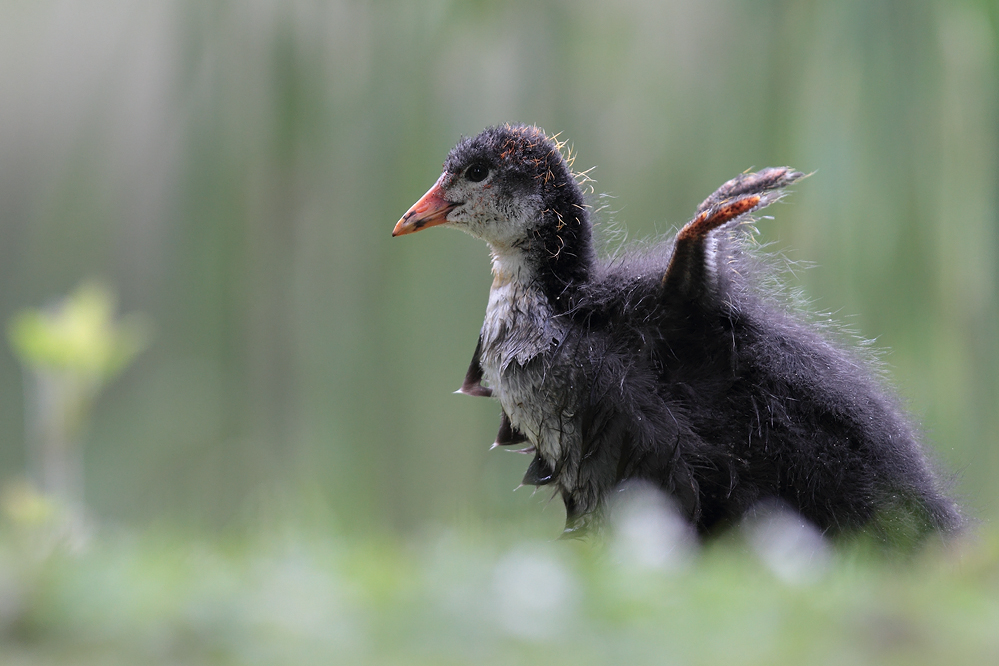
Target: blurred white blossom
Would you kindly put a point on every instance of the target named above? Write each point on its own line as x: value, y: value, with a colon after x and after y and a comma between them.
x: 534, y: 592
x: 648, y: 532
x: 790, y: 546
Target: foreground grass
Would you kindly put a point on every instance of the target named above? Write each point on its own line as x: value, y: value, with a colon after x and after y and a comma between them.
x: 305, y: 596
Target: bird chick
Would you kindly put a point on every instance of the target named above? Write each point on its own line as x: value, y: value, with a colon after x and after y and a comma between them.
x: 670, y: 363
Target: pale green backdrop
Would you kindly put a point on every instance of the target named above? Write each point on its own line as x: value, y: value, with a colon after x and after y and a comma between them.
x: 234, y: 170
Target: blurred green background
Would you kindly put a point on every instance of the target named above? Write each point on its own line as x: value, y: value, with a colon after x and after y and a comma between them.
x: 274, y: 466
x: 234, y: 171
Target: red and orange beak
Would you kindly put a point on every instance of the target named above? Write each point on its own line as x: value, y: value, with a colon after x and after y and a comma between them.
x: 429, y: 211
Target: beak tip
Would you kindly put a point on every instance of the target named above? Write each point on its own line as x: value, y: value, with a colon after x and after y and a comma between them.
x: 429, y: 211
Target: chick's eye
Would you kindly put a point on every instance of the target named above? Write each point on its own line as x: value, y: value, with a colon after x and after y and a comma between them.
x: 477, y: 173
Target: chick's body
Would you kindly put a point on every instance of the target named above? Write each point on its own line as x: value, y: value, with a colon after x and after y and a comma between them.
x: 668, y: 364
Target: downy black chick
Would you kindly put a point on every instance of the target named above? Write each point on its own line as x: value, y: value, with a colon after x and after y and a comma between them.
x: 669, y: 364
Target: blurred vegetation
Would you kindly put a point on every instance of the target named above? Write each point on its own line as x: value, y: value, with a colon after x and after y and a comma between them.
x: 79, y: 337
x: 292, y: 595
x: 69, y: 352
x: 234, y: 171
